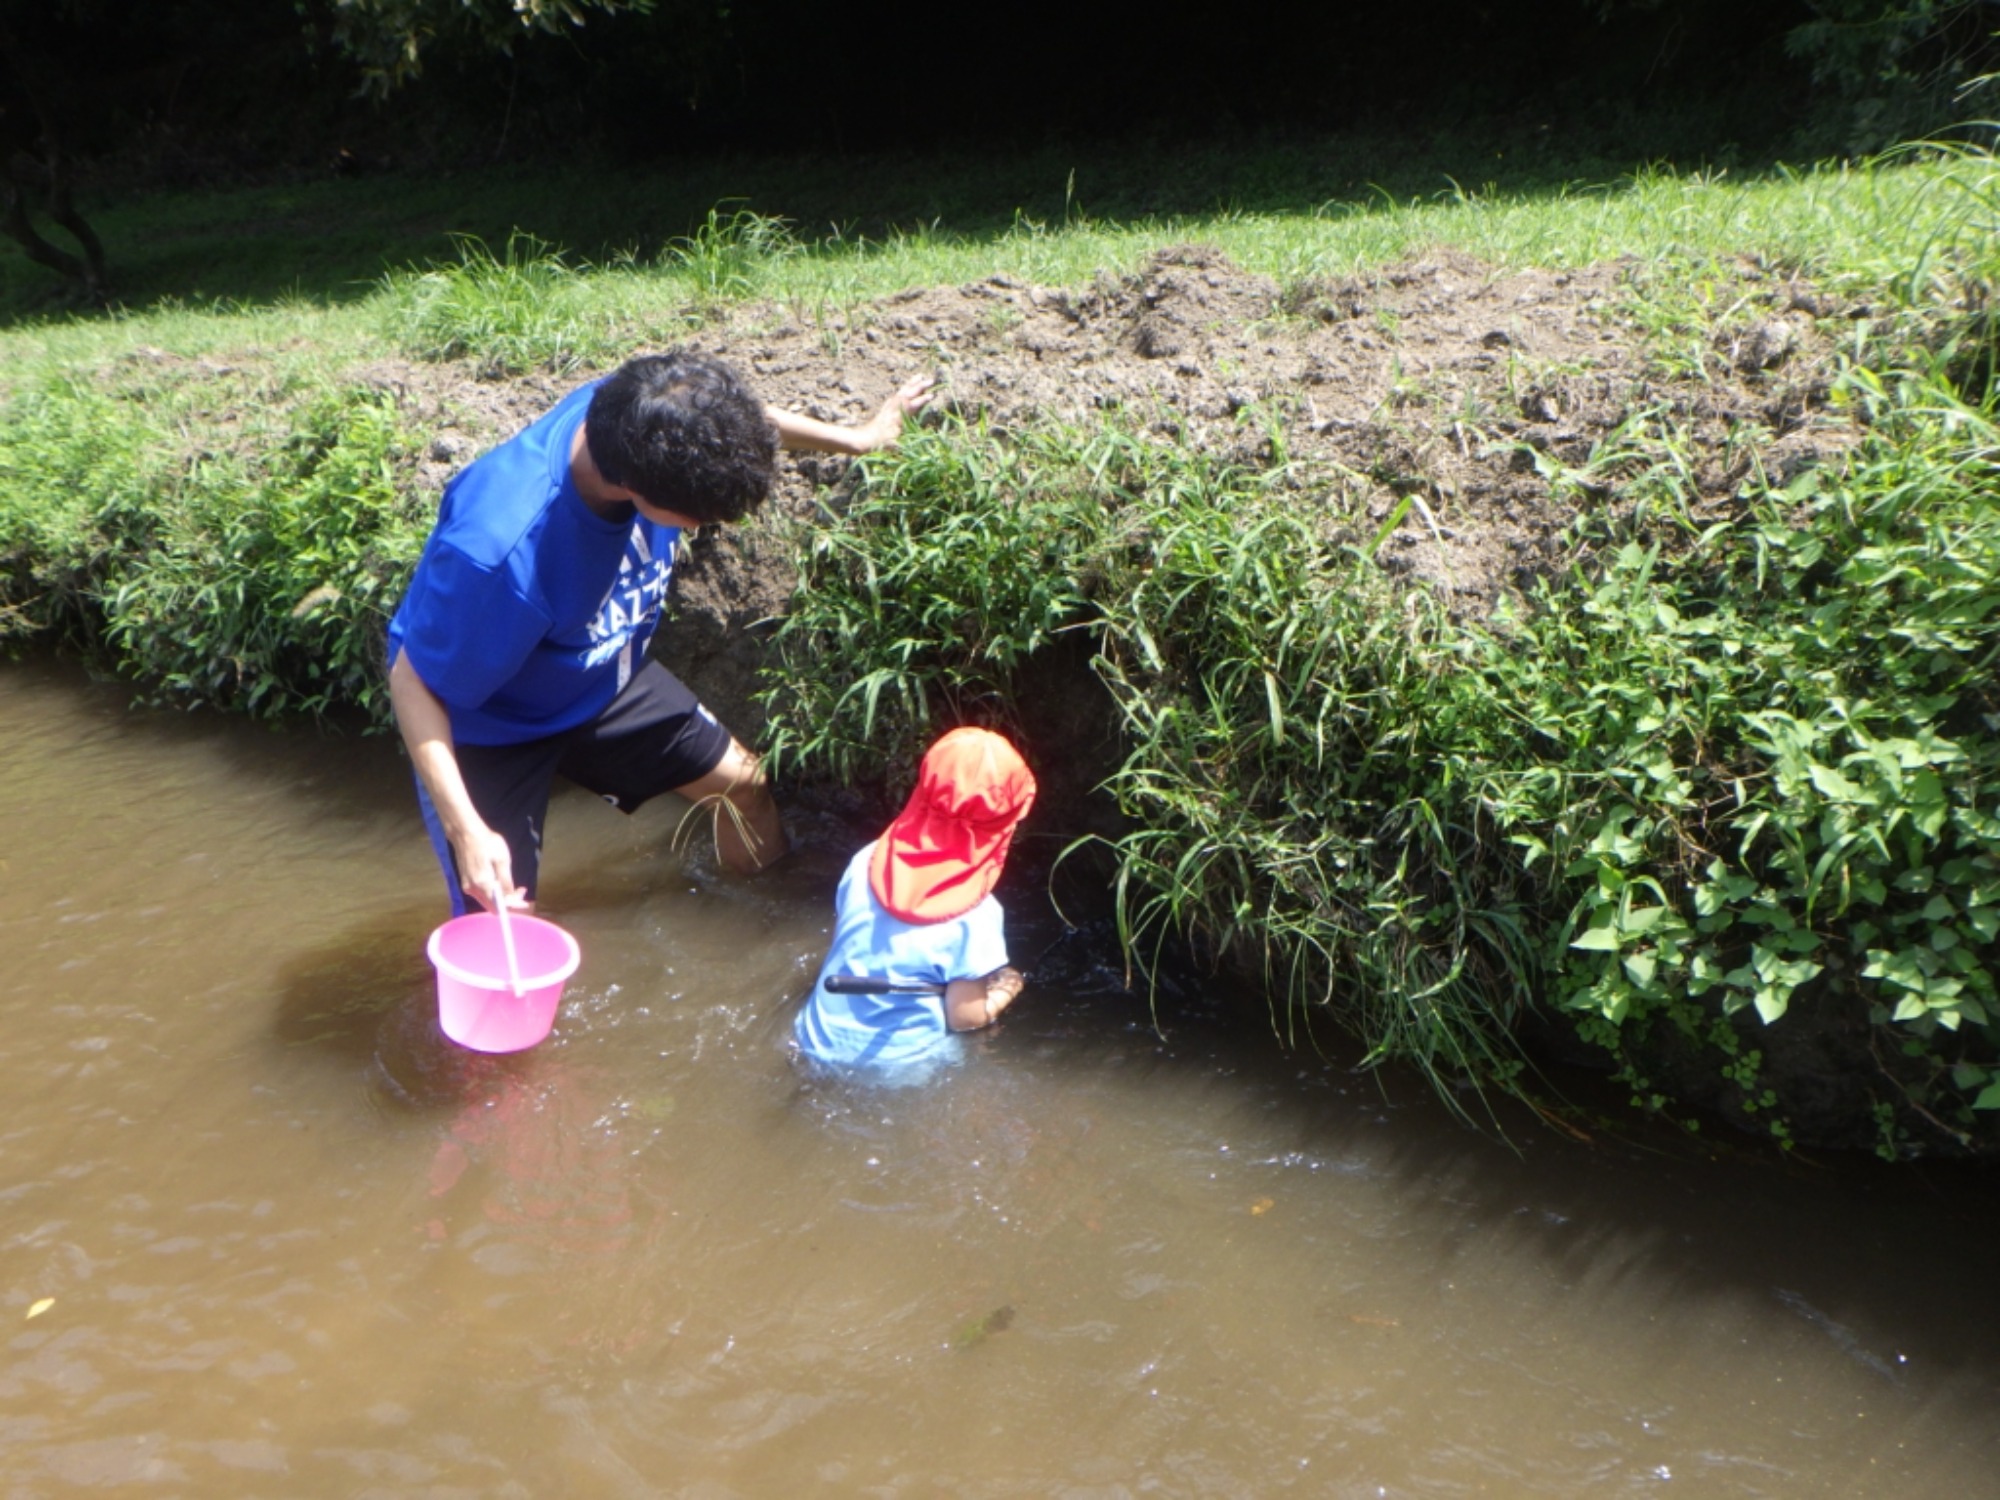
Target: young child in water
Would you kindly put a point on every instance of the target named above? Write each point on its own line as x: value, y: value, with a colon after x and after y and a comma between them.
x: 916, y: 908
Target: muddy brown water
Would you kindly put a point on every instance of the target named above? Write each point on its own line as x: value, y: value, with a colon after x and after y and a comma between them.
x: 264, y: 1233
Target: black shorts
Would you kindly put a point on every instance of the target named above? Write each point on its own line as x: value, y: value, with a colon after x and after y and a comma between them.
x: 655, y: 737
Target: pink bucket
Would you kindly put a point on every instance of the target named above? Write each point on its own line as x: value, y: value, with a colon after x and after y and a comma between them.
x: 476, y: 1006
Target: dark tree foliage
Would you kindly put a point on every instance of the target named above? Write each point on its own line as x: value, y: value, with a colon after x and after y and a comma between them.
x: 36, y: 170
x: 1898, y: 70
x: 260, y: 82
x: 166, y: 92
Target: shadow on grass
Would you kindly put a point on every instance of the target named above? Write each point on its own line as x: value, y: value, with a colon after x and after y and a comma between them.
x: 330, y: 241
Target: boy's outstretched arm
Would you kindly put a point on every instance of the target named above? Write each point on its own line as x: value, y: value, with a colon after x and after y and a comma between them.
x: 972, y: 1003
x: 879, y: 431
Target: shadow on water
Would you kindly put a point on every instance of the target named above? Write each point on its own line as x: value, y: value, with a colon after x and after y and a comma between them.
x: 336, y: 997
x: 1877, y: 1260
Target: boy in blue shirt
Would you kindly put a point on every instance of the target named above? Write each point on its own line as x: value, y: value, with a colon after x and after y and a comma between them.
x: 916, y: 926
x: 519, y: 650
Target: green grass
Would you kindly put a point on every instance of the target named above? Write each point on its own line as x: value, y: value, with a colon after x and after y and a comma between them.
x: 1865, y: 226
x: 328, y: 241
x: 486, y: 295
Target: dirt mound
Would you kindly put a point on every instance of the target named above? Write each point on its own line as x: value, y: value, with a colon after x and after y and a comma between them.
x: 1496, y: 403
x: 1443, y: 380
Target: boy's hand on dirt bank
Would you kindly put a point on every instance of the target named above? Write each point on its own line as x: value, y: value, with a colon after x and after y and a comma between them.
x: 886, y: 426
x: 809, y: 434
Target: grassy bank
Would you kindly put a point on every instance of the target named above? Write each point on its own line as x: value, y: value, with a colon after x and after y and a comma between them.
x: 1717, y: 781
x: 1735, y: 779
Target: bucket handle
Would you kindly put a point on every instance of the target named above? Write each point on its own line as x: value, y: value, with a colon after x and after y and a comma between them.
x: 507, y: 941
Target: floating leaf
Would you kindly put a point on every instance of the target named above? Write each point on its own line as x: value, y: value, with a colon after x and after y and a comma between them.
x: 977, y: 1330
x: 1262, y: 1206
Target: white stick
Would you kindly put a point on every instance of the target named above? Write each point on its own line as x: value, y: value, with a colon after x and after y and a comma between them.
x: 507, y: 942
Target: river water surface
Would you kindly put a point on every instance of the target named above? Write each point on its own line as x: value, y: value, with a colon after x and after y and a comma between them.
x: 264, y: 1233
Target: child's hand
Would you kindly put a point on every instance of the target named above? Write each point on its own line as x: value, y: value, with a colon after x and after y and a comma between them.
x: 1002, y: 985
x: 973, y: 1003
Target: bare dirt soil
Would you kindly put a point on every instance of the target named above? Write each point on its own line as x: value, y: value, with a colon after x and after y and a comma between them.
x: 1443, y: 380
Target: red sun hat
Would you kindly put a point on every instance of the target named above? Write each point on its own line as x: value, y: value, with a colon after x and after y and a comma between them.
x: 942, y: 855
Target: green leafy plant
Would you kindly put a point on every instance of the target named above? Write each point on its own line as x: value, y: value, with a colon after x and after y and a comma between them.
x: 79, y: 471
x: 729, y: 255
x: 950, y: 568
x: 520, y: 310
x: 258, y: 581
x: 269, y: 586
x: 1768, y: 772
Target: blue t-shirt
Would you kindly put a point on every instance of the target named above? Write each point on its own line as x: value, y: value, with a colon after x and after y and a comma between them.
x: 528, y: 611
x: 888, y: 1031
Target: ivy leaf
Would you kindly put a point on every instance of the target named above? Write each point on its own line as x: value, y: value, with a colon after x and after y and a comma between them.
x: 1780, y: 976
x: 1601, y: 938
x: 1774, y: 968
x: 1641, y: 919
x: 1724, y: 887
x: 1909, y: 969
x: 1928, y: 806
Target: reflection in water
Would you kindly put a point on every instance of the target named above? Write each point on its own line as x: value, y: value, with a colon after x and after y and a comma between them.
x: 285, y: 1239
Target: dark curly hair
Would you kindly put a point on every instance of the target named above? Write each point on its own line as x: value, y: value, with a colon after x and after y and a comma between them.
x: 683, y: 432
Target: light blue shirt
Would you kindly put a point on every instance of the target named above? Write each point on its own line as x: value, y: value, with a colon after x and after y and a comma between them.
x: 893, y: 1031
